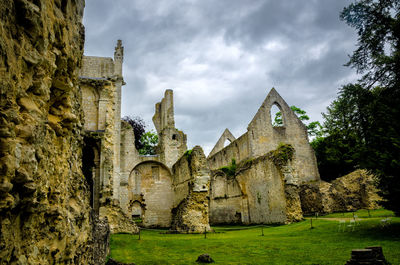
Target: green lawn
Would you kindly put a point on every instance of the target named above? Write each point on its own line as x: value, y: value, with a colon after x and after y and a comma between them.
x: 286, y: 244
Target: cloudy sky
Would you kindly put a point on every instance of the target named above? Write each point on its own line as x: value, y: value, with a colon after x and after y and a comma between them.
x: 221, y: 57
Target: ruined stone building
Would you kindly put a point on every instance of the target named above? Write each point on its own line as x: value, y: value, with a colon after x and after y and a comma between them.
x: 124, y: 183
x: 157, y: 188
x: 261, y: 191
x: 66, y: 157
x: 101, y: 81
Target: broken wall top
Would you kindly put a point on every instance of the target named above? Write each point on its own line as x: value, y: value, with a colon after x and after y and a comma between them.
x: 97, y: 67
x: 164, y: 112
x: 103, y: 67
x: 262, y: 136
x: 226, y: 135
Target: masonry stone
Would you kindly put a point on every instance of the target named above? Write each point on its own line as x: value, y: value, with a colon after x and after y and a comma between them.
x: 101, y: 81
x: 45, y: 206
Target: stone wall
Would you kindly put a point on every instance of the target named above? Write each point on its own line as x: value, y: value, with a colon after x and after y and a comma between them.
x: 101, y: 81
x: 129, y: 158
x: 262, y: 137
x: 262, y: 192
x: 191, y: 186
x: 97, y: 67
x: 259, y: 191
x: 239, y: 150
x: 44, y: 197
x: 150, y: 194
x: 172, y: 142
x: 227, y: 204
x: 226, y: 136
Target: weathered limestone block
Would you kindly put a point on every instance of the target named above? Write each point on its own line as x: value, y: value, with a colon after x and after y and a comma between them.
x: 118, y: 220
x: 354, y: 191
x: 293, y: 204
x: 44, y: 198
x: 191, y: 215
x: 101, y: 239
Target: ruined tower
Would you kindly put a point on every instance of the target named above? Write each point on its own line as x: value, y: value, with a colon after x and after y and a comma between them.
x: 101, y: 81
x: 172, y: 142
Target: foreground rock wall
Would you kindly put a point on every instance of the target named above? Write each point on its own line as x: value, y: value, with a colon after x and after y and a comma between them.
x: 354, y: 191
x: 44, y: 199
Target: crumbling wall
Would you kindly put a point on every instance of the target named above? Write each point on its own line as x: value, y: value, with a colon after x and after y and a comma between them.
x: 44, y: 197
x: 172, y: 142
x: 226, y: 136
x: 262, y: 137
x: 118, y: 221
x: 258, y: 191
x: 354, y: 191
x: 164, y: 112
x: 191, y: 185
x: 101, y: 81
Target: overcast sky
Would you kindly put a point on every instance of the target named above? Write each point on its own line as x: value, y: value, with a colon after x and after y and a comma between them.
x: 221, y: 57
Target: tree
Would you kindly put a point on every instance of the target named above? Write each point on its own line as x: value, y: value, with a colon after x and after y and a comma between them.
x: 363, y: 124
x: 341, y: 150
x: 145, y: 142
x: 377, y: 55
x: 313, y: 128
x: 149, y: 140
x: 138, y: 127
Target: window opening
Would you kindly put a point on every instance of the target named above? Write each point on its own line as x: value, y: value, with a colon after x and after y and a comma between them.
x: 276, y: 116
x: 227, y: 142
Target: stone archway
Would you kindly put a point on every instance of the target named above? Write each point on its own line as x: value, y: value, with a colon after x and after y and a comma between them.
x: 150, y: 188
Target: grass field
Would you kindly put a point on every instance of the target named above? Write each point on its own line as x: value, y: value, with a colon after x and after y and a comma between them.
x: 286, y: 244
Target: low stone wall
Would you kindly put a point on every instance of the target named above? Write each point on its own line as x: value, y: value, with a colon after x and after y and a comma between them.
x: 118, y: 221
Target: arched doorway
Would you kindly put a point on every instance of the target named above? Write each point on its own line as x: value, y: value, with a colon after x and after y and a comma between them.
x: 150, y: 193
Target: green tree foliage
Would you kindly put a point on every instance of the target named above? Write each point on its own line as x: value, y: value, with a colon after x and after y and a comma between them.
x: 145, y: 142
x: 378, y: 58
x: 378, y: 26
x: 149, y: 140
x: 339, y: 151
x: 313, y: 128
x: 363, y: 124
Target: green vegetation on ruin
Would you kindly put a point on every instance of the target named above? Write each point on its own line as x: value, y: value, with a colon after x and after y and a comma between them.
x: 230, y: 170
x: 287, y: 244
x: 282, y: 155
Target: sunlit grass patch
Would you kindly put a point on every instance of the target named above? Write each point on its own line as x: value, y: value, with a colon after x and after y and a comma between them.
x: 286, y: 244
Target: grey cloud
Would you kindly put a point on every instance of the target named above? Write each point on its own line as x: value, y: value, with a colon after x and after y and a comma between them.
x: 222, y: 57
